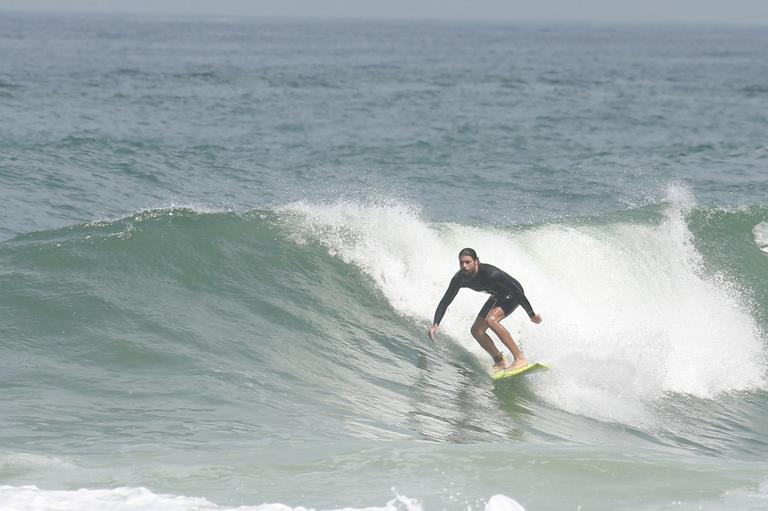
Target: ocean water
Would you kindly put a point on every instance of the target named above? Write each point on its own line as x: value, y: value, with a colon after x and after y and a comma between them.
x: 222, y: 242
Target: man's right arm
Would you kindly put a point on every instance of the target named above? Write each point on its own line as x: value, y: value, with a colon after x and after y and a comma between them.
x: 448, y: 297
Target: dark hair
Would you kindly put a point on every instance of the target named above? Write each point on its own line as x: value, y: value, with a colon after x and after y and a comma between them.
x: 468, y: 252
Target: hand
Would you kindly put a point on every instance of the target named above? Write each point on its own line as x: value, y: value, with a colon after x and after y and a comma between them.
x: 536, y: 318
x: 433, y: 332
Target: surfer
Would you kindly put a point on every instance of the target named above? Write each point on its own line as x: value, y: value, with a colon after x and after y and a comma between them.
x: 506, y: 294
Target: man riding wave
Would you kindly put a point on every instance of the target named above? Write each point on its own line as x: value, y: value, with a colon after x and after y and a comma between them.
x: 506, y: 294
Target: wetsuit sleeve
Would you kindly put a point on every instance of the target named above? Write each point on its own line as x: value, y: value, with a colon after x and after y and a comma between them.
x: 523, y: 301
x: 448, y: 297
x: 511, y: 284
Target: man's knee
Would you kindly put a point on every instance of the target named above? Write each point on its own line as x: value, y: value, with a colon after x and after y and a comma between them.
x: 493, y: 319
x: 478, y: 329
x: 494, y: 323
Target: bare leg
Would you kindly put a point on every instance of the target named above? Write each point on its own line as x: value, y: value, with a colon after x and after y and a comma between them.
x: 483, y: 339
x: 493, y: 320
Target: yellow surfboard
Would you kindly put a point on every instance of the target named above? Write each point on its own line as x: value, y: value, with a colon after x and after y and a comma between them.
x: 510, y: 373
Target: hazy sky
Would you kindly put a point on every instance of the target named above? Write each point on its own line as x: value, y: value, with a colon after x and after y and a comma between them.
x: 692, y: 11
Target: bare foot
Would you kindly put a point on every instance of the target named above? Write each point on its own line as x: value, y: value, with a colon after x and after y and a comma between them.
x: 520, y: 362
x: 501, y: 366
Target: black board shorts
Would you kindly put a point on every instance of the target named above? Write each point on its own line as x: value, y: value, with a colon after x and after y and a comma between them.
x: 508, y: 303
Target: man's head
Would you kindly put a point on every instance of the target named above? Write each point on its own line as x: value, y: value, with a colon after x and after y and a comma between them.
x: 468, y: 261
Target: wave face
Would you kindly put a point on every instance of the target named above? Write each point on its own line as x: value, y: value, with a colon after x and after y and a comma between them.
x: 318, y: 298
x: 194, y: 331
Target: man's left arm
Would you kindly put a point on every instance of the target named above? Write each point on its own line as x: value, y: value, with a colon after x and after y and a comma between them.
x: 523, y: 301
x: 536, y: 318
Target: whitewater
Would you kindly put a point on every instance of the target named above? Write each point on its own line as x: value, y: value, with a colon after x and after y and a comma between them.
x: 623, y: 301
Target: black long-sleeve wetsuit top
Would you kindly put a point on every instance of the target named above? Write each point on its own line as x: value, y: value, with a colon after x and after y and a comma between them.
x: 488, y: 279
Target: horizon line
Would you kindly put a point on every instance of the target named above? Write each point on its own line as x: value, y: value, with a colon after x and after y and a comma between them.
x: 394, y: 18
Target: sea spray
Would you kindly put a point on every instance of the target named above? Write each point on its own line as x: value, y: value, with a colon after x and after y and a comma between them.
x: 761, y: 236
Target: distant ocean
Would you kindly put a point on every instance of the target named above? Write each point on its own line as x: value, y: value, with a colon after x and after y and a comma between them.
x: 222, y: 242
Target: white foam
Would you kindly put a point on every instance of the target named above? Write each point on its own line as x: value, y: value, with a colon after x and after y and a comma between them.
x: 629, y: 314
x: 502, y: 503
x: 761, y: 236
x: 31, y: 498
